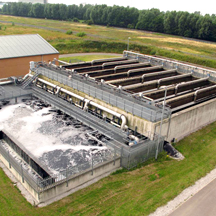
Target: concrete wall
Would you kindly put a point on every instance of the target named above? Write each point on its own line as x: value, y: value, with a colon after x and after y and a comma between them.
x: 189, y: 120
x: 74, y: 183
x: 20, y: 66
x: 79, y: 179
x: 19, y: 178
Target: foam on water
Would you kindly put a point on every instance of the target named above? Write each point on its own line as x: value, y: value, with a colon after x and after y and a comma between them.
x: 52, y: 138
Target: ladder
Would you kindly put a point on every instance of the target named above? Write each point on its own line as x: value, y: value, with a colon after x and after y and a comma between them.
x: 29, y: 80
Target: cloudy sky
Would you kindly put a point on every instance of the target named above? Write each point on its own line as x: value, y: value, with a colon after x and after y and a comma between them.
x: 205, y: 7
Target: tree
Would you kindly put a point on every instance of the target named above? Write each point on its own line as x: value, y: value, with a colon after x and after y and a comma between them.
x: 63, y: 12
x: 38, y: 10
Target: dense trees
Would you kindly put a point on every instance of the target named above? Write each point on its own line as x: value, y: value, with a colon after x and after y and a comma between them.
x: 178, y: 23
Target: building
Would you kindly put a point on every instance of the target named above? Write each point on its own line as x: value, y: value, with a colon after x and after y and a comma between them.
x: 34, y: 1
x: 16, y: 51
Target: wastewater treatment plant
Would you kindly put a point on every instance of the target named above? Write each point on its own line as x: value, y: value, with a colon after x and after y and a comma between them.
x: 65, y: 126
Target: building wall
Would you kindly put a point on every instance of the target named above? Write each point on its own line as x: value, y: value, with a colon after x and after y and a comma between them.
x: 20, y: 66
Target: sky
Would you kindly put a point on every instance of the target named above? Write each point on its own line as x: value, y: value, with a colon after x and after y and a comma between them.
x: 205, y: 7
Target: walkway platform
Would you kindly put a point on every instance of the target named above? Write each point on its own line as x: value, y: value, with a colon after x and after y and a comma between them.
x: 11, y: 91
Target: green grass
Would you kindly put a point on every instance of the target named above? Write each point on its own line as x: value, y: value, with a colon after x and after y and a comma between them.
x: 103, y: 39
x: 136, y: 192
x: 88, y: 57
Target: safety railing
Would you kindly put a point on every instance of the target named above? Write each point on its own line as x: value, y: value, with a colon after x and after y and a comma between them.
x: 118, y: 98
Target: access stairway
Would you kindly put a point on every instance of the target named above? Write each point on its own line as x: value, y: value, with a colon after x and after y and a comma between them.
x: 29, y: 80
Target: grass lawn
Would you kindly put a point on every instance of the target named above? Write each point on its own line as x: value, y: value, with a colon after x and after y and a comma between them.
x: 136, y: 192
x: 145, y: 42
x: 87, y: 58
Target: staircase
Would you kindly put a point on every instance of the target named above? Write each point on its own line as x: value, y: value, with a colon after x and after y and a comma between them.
x: 29, y: 80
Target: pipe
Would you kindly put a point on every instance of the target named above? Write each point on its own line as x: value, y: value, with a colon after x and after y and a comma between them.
x: 26, y: 76
x: 143, y: 76
x: 121, y: 116
x: 62, y: 61
x: 158, y: 83
x: 195, y: 95
x: 107, y: 60
x: 3, y: 79
x: 202, y: 90
x: 165, y: 60
x: 87, y: 101
x: 72, y: 94
x: 176, y: 88
x: 6, y: 82
x: 188, y: 83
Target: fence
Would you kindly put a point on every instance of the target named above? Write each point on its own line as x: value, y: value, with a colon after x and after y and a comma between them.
x: 136, y: 155
x: 130, y: 157
x: 39, y: 184
x: 13, y: 92
x: 115, y: 97
x: 12, y: 162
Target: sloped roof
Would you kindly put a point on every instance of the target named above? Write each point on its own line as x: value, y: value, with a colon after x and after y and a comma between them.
x: 12, y: 46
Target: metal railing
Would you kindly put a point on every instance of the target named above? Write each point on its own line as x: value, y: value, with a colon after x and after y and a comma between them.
x: 118, y: 98
x: 39, y: 184
x: 130, y: 157
x: 18, y: 92
x: 136, y: 155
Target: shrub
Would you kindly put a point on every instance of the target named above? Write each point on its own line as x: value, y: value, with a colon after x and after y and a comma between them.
x: 130, y: 26
x: 0, y: 27
x: 75, y: 19
x: 81, y: 34
x: 13, y: 24
x: 90, y: 22
x: 69, y: 32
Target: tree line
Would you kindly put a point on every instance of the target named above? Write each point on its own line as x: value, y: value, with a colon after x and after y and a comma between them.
x: 180, y: 23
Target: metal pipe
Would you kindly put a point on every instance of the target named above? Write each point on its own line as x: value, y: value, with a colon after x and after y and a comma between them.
x: 62, y: 61
x: 72, y: 94
x: 107, y: 60
x: 6, y: 82
x: 158, y: 83
x: 202, y: 90
x: 121, y: 116
x: 179, y: 63
x: 176, y: 88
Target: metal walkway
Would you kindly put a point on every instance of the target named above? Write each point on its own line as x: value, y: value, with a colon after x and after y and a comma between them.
x: 88, y: 119
x: 123, y: 100
x: 8, y: 92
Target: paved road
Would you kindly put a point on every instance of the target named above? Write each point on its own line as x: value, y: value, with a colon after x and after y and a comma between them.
x: 84, y: 54
x: 202, y: 203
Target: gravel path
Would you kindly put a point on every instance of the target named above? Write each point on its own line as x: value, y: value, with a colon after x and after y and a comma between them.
x: 185, y: 195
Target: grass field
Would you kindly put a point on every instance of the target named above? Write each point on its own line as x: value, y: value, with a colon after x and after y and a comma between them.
x: 88, y: 58
x: 103, y: 39
x: 136, y: 192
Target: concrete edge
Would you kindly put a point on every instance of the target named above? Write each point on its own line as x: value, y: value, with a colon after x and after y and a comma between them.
x: 71, y: 191
x: 15, y: 182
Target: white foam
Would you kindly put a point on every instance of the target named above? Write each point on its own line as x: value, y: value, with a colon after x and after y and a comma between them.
x: 23, y: 123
